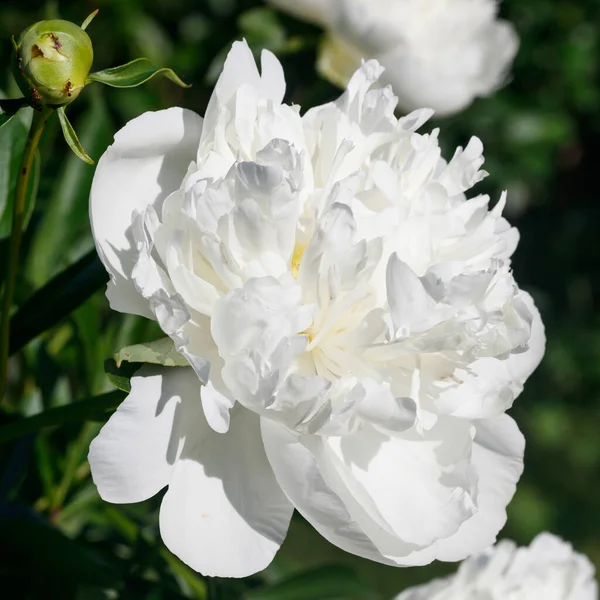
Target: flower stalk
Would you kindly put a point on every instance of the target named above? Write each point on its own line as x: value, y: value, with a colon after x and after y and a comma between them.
x: 40, y: 117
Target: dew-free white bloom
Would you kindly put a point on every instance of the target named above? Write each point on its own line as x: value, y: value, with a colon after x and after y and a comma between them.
x: 548, y: 569
x: 353, y: 329
x: 441, y: 54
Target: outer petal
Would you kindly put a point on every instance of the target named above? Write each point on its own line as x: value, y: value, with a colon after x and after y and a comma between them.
x: 527, y: 362
x: 224, y: 513
x: 147, y: 162
x: 397, y: 479
x: 299, y: 475
x: 498, y: 458
x: 133, y: 456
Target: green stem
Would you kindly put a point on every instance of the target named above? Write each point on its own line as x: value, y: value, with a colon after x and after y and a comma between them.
x: 74, y: 458
x: 33, y: 139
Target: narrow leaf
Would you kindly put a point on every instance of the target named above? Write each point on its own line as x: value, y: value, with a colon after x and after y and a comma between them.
x: 71, y: 137
x: 98, y: 407
x: 12, y: 143
x: 158, y: 352
x: 9, y: 108
x: 132, y: 74
x: 52, y: 303
x: 5, y: 118
x: 89, y: 19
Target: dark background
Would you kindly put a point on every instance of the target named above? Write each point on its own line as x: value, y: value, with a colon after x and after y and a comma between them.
x: 542, y: 140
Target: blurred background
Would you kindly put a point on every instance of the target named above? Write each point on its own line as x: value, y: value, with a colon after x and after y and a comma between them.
x: 542, y: 143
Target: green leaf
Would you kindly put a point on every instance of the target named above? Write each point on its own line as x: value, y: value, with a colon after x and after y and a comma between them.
x: 123, y: 365
x: 9, y: 108
x: 63, y: 230
x: 121, y: 376
x: 52, y: 303
x: 158, y: 352
x: 71, y: 137
x: 132, y: 74
x: 5, y: 117
x: 12, y: 143
x: 93, y: 409
x: 323, y: 583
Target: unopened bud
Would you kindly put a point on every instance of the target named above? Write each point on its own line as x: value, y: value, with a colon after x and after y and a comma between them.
x: 53, y: 59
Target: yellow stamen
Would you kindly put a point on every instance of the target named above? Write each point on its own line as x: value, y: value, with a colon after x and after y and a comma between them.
x: 297, y: 258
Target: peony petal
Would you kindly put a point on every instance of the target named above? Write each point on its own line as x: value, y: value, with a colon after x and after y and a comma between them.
x: 224, y: 513
x: 299, y: 475
x: 409, y: 302
x: 397, y: 479
x: 216, y: 405
x: 340, y: 508
x: 498, y: 459
x: 383, y: 411
x: 146, y: 162
x: 524, y: 364
x: 240, y: 69
x: 134, y: 454
x: 491, y: 385
x: 273, y: 78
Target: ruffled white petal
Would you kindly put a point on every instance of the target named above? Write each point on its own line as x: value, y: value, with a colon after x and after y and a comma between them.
x: 146, y: 162
x: 498, y: 461
x: 134, y: 455
x: 491, y: 385
x: 431, y: 475
x: 299, y: 475
x: 224, y: 513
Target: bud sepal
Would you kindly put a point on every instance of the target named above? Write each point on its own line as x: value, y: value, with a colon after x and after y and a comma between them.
x: 134, y: 73
x: 71, y: 137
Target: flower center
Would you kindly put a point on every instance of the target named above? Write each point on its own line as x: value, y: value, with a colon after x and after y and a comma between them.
x: 297, y: 258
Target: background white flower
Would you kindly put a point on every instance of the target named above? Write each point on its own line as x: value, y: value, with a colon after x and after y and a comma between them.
x: 440, y: 54
x: 549, y: 568
x: 351, y: 322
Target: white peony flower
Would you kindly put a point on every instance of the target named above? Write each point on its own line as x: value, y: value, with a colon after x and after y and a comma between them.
x: 548, y: 569
x: 353, y: 329
x: 437, y: 53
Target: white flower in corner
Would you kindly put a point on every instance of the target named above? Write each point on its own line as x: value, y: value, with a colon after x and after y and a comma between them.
x: 549, y: 569
x: 352, y: 326
x: 437, y: 53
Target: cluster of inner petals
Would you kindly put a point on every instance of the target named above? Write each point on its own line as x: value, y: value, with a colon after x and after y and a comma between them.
x: 377, y: 269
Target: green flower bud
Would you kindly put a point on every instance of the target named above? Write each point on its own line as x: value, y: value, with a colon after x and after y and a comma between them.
x: 53, y: 59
